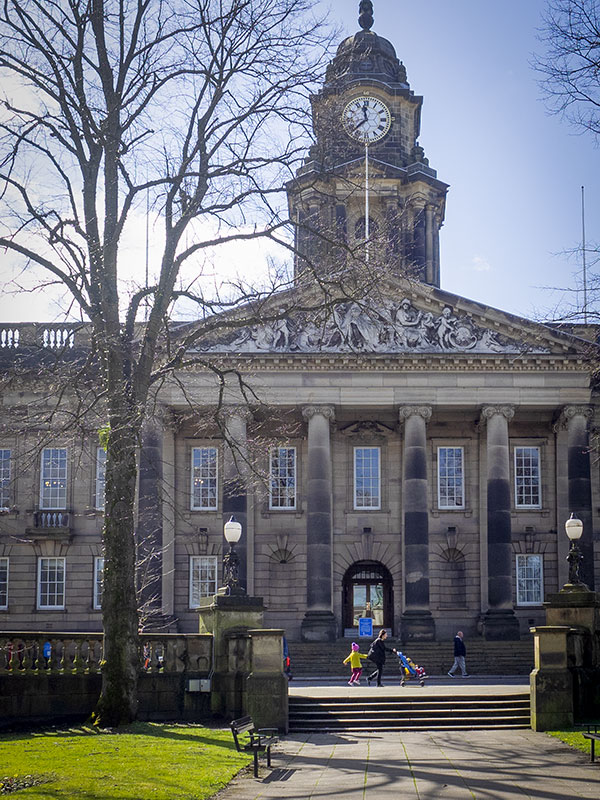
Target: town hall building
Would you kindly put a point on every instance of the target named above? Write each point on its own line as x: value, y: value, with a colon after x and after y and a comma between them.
x: 410, y: 458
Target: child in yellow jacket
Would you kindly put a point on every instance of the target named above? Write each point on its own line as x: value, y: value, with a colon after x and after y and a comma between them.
x: 355, y: 658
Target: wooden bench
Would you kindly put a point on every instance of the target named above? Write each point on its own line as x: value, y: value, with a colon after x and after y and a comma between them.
x: 593, y: 737
x: 248, y: 738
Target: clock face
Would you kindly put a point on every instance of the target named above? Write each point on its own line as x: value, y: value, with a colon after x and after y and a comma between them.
x: 366, y: 119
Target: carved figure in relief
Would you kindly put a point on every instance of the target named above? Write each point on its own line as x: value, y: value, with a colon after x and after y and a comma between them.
x: 386, y: 328
x: 445, y: 329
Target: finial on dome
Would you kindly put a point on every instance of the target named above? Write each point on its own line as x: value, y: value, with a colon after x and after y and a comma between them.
x: 365, y: 18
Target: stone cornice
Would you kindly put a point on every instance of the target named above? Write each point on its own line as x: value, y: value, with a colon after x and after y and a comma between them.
x: 398, y: 363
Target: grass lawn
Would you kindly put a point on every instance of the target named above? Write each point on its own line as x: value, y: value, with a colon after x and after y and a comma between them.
x: 574, y: 737
x: 144, y: 761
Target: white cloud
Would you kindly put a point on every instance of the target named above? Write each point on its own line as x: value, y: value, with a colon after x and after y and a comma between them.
x: 480, y: 264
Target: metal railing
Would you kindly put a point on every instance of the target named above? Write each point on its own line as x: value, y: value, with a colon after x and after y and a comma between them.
x: 26, y: 653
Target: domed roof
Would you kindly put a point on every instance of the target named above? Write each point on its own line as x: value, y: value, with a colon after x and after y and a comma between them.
x: 366, y: 55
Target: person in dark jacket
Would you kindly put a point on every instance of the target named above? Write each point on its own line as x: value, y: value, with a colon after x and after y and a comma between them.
x: 460, y: 651
x: 377, y: 656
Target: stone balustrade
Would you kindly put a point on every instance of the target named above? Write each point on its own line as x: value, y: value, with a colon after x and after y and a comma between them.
x: 54, y: 337
x: 30, y: 653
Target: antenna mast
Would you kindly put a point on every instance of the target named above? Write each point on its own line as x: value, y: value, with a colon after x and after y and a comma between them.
x: 583, y: 255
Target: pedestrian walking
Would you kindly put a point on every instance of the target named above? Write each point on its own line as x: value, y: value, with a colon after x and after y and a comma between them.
x: 355, y: 658
x: 377, y: 655
x: 460, y: 652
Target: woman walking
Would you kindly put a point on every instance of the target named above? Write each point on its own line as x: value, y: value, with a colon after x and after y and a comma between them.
x: 377, y: 656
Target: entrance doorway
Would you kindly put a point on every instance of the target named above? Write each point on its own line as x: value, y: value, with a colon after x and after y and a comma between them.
x: 367, y: 592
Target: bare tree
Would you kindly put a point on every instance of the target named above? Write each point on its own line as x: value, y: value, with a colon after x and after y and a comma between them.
x: 570, y: 63
x: 197, y: 110
x: 569, y: 69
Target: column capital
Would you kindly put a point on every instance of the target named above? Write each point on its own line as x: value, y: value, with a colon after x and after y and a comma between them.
x: 570, y: 412
x: 239, y: 410
x: 487, y: 412
x: 308, y: 412
x: 404, y: 412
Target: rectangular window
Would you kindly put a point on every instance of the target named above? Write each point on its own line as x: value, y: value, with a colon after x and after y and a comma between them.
x: 282, y: 470
x: 4, y: 582
x: 100, y: 477
x: 527, y: 477
x: 366, y: 478
x: 530, y: 580
x: 5, y: 493
x: 53, y: 482
x: 204, y: 478
x: 451, y: 487
x: 98, y: 580
x: 203, y: 578
x: 51, y: 583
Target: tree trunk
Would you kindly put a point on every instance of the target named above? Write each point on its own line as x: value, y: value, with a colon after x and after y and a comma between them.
x: 118, y: 701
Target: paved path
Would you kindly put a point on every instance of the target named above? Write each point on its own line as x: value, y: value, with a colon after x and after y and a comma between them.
x: 473, y: 765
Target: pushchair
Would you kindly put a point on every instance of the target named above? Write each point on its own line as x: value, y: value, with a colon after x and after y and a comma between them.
x: 409, y: 670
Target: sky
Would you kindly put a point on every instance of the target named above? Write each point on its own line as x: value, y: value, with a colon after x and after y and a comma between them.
x: 515, y: 172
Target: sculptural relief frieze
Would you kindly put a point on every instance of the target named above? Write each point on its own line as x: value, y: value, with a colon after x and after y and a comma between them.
x: 388, y: 328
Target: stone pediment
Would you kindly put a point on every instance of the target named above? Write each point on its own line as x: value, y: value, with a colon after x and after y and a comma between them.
x: 393, y: 326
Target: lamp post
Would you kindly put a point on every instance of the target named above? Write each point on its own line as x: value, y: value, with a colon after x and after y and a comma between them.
x: 574, y: 530
x: 231, y: 561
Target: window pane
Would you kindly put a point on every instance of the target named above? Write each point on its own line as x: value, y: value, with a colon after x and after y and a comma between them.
x: 527, y: 477
x: 4, y: 582
x: 98, y: 581
x: 53, y: 492
x: 204, y: 477
x: 366, y: 477
x: 450, y: 477
x: 100, y: 477
x: 51, y: 583
x: 5, y: 494
x: 203, y: 578
x: 530, y: 586
x: 283, y: 477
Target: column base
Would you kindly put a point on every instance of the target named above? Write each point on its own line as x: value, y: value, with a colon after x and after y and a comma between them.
x: 501, y: 626
x: 418, y: 626
x: 319, y: 626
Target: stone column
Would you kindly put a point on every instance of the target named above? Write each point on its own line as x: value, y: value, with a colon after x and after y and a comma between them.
x: 429, y: 254
x: 235, y: 497
x: 417, y: 622
x: 149, y: 530
x: 318, y: 624
x: 499, y: 622
x: 168, y: 519
x: 579, y: 482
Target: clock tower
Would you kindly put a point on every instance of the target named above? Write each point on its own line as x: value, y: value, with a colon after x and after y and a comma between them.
x: 366, y: 178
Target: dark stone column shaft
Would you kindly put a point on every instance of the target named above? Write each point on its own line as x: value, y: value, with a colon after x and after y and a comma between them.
x: 150, y: 519
x: 416, y: 514
x: 235, y: 497
x: 498, y: 509
x: 580, y: 487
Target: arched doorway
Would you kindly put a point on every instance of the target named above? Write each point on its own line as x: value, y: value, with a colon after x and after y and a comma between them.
x: 367, y: 592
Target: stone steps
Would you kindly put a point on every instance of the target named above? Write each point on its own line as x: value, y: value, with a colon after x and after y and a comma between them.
x: 428, y: 712
x: 312, y: 659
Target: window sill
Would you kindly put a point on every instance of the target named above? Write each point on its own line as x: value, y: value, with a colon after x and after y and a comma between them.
x: 276, y: 512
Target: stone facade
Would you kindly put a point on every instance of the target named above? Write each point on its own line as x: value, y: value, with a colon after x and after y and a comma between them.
x: 413, y: 460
